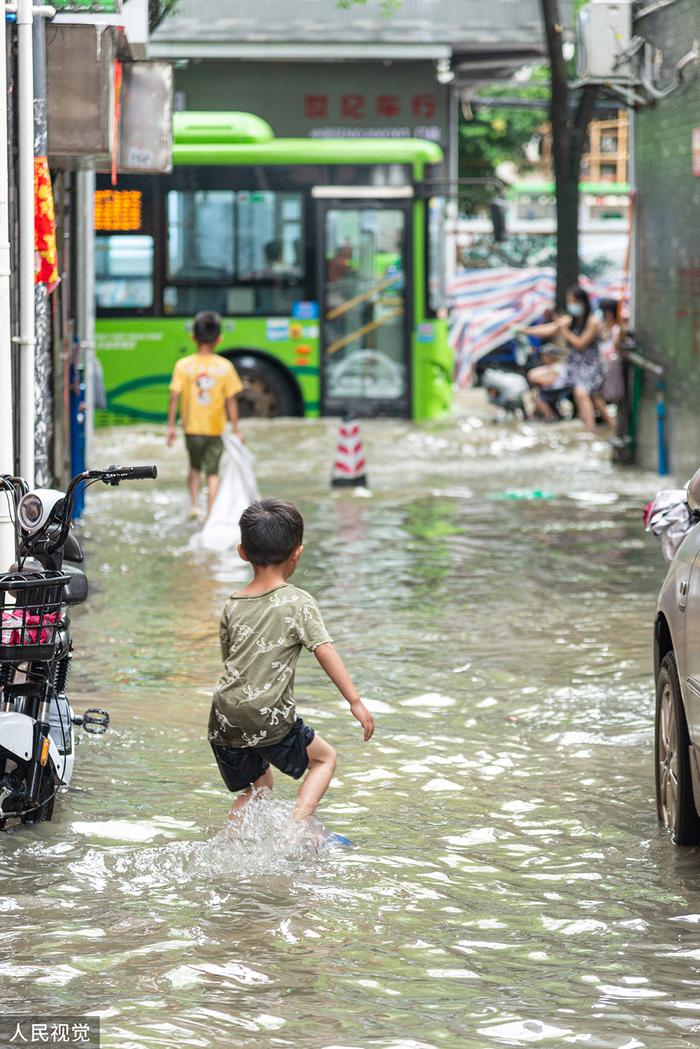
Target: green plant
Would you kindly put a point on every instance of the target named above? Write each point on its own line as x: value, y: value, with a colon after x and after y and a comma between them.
x: 158, y: 9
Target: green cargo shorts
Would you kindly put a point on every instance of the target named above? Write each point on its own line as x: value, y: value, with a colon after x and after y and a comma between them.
x: 204, y: 452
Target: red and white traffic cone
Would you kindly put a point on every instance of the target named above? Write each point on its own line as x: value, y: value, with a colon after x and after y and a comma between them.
x: 350, y: 462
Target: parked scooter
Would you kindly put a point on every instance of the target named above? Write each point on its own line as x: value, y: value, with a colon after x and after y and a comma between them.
x: 516, y: 356
x: 36, y: 718
x: 508, y: 391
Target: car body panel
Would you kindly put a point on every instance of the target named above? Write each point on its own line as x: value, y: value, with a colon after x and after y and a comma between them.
x: 679, y: 605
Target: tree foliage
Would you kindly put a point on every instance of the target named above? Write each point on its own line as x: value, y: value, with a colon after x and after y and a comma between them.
x: 526, y: 250
x: 492, y: 135
x: 386, y: 7
x: 570, y: 113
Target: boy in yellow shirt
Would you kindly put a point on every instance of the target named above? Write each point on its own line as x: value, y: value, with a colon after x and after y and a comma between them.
x: 206, y: 386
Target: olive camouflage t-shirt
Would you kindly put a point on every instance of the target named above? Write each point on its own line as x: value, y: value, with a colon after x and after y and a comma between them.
x: 261, y: 638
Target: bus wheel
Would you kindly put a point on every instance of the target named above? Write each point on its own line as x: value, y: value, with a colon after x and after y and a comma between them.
x: 266, y: 393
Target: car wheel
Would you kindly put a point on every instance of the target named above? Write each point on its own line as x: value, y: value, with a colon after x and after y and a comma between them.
x: 674, y: 785
x: 266, y: 392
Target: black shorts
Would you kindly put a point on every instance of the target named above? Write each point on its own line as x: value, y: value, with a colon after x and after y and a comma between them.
x: 241, y: 766
x: 205, y: 452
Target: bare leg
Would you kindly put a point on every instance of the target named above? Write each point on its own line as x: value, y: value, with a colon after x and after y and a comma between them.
x: 265, y: 780
x: 585, y: 408
x: 544, y: 410
x: 322, y: 762
x: 600, y: 403
x: 194, y: 480
x: 212, y: 488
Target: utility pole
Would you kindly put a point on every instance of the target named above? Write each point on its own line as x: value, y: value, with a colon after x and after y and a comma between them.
x: 569, y: 129
x: 7, y: 457
x: 85, y: 312
x: 25, y: 192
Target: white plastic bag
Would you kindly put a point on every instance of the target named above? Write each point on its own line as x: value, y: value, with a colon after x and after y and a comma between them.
x: 237, y: 489
x: 668, y: 517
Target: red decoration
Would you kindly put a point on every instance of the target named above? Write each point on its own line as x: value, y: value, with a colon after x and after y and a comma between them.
x: 352, y: 106
x: 424, y: 106
x: 46, y: 257
x: 388, y: 105
x: 315, y: 106
x: 118, y: 71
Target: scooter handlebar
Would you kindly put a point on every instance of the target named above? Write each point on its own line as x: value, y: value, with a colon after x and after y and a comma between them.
x: 129, y: 473
x: 113, y: 475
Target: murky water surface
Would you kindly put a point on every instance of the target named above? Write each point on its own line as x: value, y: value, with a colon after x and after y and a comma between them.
x: 508, y: 884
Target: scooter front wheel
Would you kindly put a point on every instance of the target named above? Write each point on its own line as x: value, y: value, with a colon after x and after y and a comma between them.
x: 47, y: 796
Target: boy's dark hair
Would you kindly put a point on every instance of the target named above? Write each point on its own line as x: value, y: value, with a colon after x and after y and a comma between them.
x: 206, y: 328
x: 271, y: 530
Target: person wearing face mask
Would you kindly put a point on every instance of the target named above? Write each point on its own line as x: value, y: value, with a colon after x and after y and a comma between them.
x: 580, y: 329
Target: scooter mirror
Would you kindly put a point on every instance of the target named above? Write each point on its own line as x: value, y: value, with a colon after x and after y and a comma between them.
x: 694, y: 493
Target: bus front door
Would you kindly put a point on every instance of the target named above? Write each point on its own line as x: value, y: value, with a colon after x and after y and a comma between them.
x: 364, y: 300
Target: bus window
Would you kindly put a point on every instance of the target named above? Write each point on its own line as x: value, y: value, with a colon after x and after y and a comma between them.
x: 191, y: 298
x: 200, y: 235
x: 270, y: 235
x: 436, y: 254
x: 124, y: 272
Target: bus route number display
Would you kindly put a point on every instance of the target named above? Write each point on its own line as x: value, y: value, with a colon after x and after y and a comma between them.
x: 118, y: 210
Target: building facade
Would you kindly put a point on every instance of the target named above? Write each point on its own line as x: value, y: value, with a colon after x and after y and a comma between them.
x: 666, y: 295
x: 95, y: 107
x: 320, y: 69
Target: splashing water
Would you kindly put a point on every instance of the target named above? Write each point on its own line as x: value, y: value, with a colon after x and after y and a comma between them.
x: 261, y: 840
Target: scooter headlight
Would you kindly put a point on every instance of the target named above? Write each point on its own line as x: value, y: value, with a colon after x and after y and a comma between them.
x: 30, y: 512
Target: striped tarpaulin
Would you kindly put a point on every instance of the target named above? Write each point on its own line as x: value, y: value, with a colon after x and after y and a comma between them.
x: 487, y: 305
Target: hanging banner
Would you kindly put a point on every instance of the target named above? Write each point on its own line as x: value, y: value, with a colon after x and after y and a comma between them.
x: 46, y: 257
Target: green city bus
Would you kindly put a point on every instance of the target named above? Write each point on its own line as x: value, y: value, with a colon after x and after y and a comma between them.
x: 324, y: 257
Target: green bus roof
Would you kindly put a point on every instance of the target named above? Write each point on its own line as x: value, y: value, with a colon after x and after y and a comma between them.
x: 241, y: 138
x: 205, y: 128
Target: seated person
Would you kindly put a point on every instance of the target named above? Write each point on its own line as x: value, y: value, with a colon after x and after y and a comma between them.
x: 549, y: 376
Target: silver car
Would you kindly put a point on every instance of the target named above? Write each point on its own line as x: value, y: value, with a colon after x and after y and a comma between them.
x: 677, y: 674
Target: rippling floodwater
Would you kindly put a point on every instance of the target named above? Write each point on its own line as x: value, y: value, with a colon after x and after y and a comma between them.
x: 508, y: 884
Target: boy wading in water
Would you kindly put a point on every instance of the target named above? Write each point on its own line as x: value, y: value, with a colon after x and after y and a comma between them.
x: 253, y: 723
x: 207, y: 386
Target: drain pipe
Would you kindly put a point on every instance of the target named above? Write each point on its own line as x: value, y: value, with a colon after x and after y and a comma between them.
x: 7, y: 453
x: 25, y: 192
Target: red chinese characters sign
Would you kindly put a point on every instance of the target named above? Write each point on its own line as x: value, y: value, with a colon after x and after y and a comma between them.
x: 355, y: 106
x: 352, y: 106
x: 315, y: 106
x: 388, y: 106
x: 424, y: 107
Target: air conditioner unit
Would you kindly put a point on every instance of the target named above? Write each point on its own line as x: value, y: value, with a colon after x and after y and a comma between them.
x: 604, y: 32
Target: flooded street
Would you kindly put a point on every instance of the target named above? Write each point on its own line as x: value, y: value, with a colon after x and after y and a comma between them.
x: 507, y: 885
